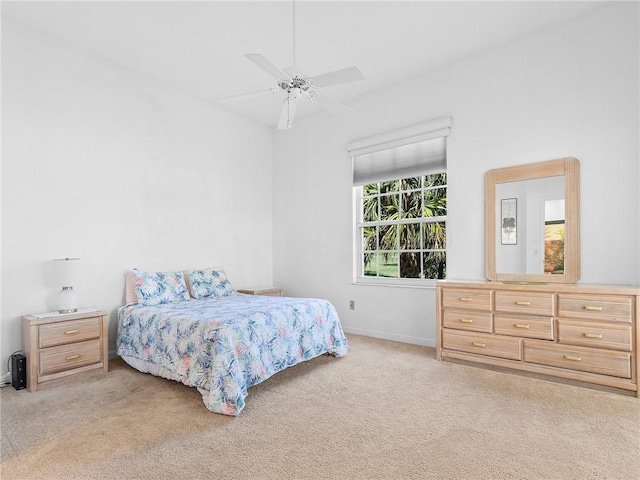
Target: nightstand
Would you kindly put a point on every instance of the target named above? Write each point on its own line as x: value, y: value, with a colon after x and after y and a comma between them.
x: 58, y: 345
x: 268, y: 291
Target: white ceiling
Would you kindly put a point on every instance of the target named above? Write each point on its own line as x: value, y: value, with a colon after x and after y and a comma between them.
x: 199, y: 46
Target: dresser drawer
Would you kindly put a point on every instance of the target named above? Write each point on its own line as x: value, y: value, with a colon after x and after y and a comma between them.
x: 525, y: 303
x: 598, y: 335
x: 466, y: 299
x: 606, y: 362
x: 481, y: 343
x: 477, y: 322
x: 67, y: 357
x: 604, y: 307
x: 524, y: 326
x: 73, y: 331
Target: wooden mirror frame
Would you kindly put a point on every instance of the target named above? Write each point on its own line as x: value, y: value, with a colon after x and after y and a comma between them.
x: 570, y: 168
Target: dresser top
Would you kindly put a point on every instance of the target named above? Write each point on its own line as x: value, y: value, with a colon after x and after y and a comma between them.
x: 543, y: 287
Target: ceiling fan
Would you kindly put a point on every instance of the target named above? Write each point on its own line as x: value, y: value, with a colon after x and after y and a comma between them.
x: 293, y: 82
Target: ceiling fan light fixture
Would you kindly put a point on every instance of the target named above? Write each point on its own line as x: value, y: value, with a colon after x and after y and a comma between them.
x: 295, y: 94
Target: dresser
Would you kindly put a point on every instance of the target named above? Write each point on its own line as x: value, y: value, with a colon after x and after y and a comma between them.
x: 587, y: 333
x: 59, y: 345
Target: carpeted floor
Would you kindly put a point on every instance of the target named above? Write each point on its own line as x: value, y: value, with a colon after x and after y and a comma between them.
x: 387, y: 410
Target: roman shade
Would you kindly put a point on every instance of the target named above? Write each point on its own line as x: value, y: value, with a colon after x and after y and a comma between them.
x: 412, y: 151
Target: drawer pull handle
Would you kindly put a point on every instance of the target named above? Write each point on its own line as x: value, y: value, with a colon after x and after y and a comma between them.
x: 523, y: 303
x: 593, y: 335
x: 72, y: 357
x: 71, y: 332
x: 466, y: 320
x: 478, y: 344
x: 520, y: 325
x: 572, y: 357
x: 592, y: 308
x: 465, y: 299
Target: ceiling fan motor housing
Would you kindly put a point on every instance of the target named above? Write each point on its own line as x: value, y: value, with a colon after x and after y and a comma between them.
x: 295, y: 82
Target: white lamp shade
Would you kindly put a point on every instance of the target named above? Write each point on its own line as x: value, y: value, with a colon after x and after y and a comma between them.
x: 65, y: 272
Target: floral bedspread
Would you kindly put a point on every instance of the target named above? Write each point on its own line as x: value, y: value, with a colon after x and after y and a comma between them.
x: 226, y: 344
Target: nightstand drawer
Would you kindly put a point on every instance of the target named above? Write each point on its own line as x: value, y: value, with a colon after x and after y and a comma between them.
x: 73, y: 331
x: 597, y: 335
x: 67, y: 357
x: 607, y: 362
x: 481, y: 343
x: 477, y: 322
x: 466, y: 299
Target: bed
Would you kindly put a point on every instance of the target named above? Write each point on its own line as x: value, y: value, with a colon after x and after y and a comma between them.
x: 222, y: 342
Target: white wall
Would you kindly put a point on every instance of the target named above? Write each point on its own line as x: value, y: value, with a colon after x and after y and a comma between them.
x: 120, y: 171
x: 150, y: 176
x: 571, y: 91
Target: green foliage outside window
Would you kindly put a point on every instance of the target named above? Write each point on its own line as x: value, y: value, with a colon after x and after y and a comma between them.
x: 393, y: 245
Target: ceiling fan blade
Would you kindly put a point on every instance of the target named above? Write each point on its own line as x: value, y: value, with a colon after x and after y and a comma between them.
x: 287, y: 113
x: 334, y: 106
x: 345, y: 75
x: 267, y: 66
x: 248, y: 96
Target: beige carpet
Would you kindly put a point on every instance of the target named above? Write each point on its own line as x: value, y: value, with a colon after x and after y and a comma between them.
x: 386, y: 410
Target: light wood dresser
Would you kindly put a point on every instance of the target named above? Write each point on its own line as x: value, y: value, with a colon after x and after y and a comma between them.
x: 64, y: 344
x: 587, y: 333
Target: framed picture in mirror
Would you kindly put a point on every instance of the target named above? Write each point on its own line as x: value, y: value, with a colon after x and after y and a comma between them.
x: 509, y: 221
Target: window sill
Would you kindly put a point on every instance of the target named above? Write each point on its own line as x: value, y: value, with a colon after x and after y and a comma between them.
x: 427, y: 286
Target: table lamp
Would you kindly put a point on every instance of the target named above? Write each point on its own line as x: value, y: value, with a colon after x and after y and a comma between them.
x: 65, y: 274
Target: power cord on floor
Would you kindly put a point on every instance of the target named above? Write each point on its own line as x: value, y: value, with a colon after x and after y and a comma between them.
x: 8, y: 382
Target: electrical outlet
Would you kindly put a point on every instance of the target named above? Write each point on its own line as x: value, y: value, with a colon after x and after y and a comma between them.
x: 352, y: 305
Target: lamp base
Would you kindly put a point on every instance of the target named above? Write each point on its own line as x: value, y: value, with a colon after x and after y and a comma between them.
x: 67, y: 300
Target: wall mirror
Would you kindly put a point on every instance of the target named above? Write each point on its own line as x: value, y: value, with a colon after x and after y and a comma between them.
x: 532, y: 222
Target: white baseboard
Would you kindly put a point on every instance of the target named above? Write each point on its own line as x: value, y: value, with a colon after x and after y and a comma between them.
x: 5, y: 378
x: 425, y: 342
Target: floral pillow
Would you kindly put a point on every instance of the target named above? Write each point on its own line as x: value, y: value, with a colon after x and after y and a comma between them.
x: 209, y: 283
x: 154, y: 288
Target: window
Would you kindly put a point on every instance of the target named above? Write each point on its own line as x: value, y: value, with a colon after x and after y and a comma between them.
x: 400, y: 198
x: 402, y: 228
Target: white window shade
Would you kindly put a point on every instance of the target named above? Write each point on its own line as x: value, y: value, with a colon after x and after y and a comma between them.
x: 417, y: 150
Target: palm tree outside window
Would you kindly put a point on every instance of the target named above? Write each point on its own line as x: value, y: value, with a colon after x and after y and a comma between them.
x: 403, y: 228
